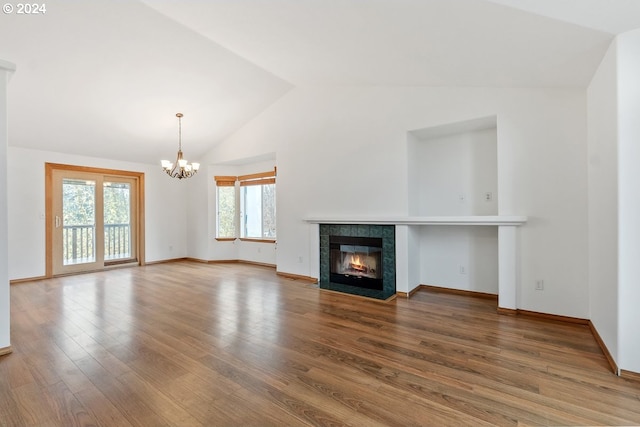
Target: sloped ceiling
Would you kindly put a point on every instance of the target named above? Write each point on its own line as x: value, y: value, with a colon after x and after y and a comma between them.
x: 614, y: 17
x: 105, y: 78
x: 398, y: 42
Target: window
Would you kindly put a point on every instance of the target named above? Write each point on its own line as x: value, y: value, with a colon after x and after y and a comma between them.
x: 246, y: 206
x: 226, y: 207
x: 258, y: 206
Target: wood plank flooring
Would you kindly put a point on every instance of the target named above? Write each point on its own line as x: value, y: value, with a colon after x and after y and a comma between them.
x: 191, y: 344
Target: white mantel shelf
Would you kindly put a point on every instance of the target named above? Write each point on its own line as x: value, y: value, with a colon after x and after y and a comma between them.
x: 425, y: 220
x: 407, y: 271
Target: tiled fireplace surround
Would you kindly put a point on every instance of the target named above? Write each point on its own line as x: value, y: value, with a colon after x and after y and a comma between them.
x: 385, y: 232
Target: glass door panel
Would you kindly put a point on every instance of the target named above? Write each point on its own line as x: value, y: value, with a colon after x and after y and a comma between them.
x: 78, y: 221
x: 118, y: 242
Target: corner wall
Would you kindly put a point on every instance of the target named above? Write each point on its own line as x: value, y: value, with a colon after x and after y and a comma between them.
x: 6, y: 69
x: 614, y: 201
x: 628, y: 51
x: 602, y: 115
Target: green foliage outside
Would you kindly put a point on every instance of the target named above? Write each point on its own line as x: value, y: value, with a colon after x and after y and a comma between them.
x: 269, y: 211
x: 79, y: 220
x: 78, y: 199
x: 226, y: 212
x: 117, y: 204
x: 79, y: 202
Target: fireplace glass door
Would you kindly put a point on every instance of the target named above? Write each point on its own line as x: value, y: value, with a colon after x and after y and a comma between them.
x: 356, y: 261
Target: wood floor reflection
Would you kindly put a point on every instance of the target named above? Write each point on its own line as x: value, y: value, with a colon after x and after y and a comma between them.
x: 190, y: 344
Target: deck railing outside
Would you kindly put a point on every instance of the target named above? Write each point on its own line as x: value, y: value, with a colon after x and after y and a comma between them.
x: 79, y: 243
x: 116, y: 241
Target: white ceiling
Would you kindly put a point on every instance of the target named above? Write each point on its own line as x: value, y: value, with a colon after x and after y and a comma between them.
x: 105, y: 78
x: 611, y: 16
x: 397, y: 42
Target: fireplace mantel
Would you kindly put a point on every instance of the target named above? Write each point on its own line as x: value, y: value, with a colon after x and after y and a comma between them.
x: 424, y: 220
x: 406, y: 270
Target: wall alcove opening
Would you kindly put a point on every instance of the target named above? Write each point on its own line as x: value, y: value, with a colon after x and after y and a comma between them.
x: 453, y: 171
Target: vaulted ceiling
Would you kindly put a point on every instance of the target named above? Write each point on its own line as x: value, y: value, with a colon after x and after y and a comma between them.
x: 105, y: 78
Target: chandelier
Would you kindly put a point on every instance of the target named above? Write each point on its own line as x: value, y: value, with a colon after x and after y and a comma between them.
x: 181, y: 168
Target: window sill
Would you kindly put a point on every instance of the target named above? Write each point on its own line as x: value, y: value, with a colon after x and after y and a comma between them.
x: 248, y: 239
x: 226, y: 239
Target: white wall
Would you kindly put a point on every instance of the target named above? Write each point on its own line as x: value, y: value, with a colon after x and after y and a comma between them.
x: 603, y: 201
x: 165, y: 209
x: 460, y: 257
x: 628, y: 51
x: 413, y: 174
x: 455, y: 172
x: 344, y: 151
x: 199, y: 226
x: 6, y: 70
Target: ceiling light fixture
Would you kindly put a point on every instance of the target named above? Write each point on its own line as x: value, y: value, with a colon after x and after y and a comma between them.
x: 181, y: 168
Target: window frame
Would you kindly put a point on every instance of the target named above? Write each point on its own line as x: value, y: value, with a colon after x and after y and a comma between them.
x: 257, y: 179
x: 238, y: 182
x: 226, y: 182
x: 243, y: 212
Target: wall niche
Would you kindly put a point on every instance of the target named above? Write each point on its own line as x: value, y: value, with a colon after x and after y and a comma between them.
x: 453, y: 171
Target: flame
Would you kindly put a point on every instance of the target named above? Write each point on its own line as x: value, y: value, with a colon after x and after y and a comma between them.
x: 355, y: 261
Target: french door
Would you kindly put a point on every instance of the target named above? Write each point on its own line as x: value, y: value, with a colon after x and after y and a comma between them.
x: 93, y: 219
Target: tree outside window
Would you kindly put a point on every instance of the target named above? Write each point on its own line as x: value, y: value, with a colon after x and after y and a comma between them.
x: 226, y: 207
x: 259, y: 211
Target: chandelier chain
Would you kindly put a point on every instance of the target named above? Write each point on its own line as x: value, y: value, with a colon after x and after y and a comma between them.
x: 179, y: 131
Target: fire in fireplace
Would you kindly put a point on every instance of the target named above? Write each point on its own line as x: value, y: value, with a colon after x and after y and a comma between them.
x: 356, y: 261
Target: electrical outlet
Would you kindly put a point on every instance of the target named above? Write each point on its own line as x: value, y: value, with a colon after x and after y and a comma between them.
x: 299, y: 260
x: 539, y: 285
x: 488, y: 196
x: 462, y: 269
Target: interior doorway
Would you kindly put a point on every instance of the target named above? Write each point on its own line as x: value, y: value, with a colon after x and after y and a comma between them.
x: 94, y: 218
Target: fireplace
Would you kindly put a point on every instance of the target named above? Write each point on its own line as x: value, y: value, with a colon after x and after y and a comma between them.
x: 358, y: 259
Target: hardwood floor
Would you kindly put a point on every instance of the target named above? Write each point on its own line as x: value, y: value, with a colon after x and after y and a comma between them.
x: 189, y: 344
